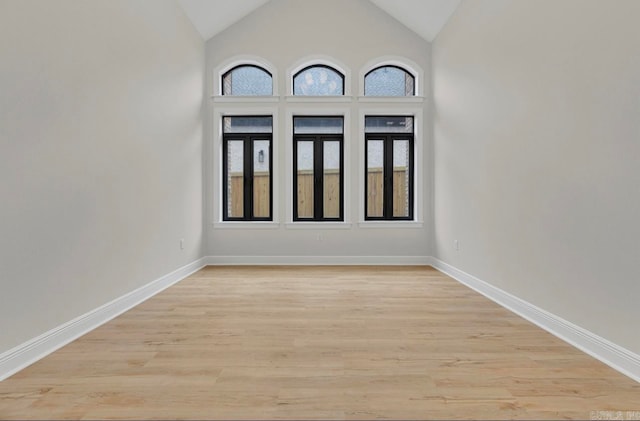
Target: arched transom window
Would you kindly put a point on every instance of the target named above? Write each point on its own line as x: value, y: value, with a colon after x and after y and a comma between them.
x: 389, y: 81
x: 318, y: 80
x: 247, y: 80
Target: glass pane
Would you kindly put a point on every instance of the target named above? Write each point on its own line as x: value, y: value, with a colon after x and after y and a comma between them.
x: 388, y: 124
x: 331, y: 182
x: 305, y: 179
x: 247, y: 80
x: 247, y: 124
x: 235, y: 179
x: 388, y: 81
x: 375, y: 178
x: 317, y: 125
x: 401, y: 178
x: 261, y: 179
x: 318, y: 81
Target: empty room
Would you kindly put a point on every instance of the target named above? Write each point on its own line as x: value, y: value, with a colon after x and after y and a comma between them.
x: 305, y: 209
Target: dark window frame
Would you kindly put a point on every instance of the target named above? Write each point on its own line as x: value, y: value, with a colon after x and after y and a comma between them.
x: 318, y: 171
x: 387, y: 206
x: 248, y: 140
x: 364, y: 80
x: 224, y: 75
x: 326, y: 66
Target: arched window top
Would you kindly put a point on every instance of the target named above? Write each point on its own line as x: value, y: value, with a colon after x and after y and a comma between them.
x: 247, y: 80
x: 389, y: 80
x: 318, y: 80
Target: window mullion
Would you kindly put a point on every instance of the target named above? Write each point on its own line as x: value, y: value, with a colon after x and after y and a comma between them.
x: 342, y: 178
x: 271, y: 177
x: 411, y: 177
x: 388, y: 178
x: 318, y: 171
x: 248, y: 177
x: 296, y: 211
x: 366, y: 177
x: 225, y: 179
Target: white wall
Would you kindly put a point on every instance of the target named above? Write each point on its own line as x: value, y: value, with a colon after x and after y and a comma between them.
x: 283, y: 32
x: 100, y: 155
x: 537, y: 152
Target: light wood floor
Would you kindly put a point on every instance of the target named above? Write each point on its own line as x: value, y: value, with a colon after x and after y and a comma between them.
x: 317, y: 343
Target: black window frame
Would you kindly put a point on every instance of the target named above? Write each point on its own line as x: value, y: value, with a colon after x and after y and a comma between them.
x: 318, y: 170
x: 364, y: 80
x: 326, y: 66
x: 248, y: 140
x: 224, y: 75
x: 387, y: 207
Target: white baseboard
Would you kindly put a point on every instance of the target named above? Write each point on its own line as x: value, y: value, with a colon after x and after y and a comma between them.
x: 31, y: 351
x: 318, y: 260
x: 615, y: 356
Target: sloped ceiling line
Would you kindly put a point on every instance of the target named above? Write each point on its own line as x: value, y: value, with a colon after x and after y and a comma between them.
x: 424, y: 17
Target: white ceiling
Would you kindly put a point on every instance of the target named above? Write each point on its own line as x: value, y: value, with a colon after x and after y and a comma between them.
x: 425, y: 17
x: 213, y: 16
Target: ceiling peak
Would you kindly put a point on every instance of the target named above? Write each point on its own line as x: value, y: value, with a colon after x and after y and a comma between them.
x: 424, y: 17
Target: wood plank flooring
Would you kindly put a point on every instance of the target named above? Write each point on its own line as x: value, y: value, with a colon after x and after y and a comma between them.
x: 317, y: 343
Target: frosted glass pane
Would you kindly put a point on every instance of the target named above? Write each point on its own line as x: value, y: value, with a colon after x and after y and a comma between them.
x: 375, y: 178
x: 247, y: 124
x: 401, y: 178
x: 331, y: 179
x: 247, y: 80
x: 305, y: 179
x: 388, y: 124
x: 388, y: 81
x: 261, y: 179
x: 317, y: 125
x: 318, y: 81
x: 235, y: 179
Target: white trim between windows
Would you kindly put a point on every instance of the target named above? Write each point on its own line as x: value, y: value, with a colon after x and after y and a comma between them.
x: 244, y: 99
x: 392, y: 99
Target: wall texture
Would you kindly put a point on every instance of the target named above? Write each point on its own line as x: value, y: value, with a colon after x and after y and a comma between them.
x: 284, y: 32
x: 100, y: 155
x: 537, y: 144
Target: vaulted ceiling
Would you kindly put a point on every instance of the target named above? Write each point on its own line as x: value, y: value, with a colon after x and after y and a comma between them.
x: 425, y: 17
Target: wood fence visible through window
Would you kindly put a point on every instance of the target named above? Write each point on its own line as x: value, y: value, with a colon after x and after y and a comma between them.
x: 331, y: 193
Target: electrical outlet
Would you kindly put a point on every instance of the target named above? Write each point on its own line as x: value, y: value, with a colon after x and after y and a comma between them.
x: 319, y: 237
x: 182, y: 244
x: 456, y: 245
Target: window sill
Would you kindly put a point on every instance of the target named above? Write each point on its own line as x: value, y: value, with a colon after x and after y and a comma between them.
x: 390, y: 224
x: 244, y: 99
x: 318, y: 225
x: 246, y: 225
x: 318, y: 99
x: 387, y: 99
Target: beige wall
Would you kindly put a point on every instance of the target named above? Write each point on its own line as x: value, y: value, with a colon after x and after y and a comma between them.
x: 100, y: 155
x: 537, y: 152
x: 353, y: 33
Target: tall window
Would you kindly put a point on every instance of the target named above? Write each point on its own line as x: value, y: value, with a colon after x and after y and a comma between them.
x: 318, y: 80
x: 318, y: 175
x: 389, y: 81
x: 247, y: 79
x: 247, y: 168
x: 389, y: 168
